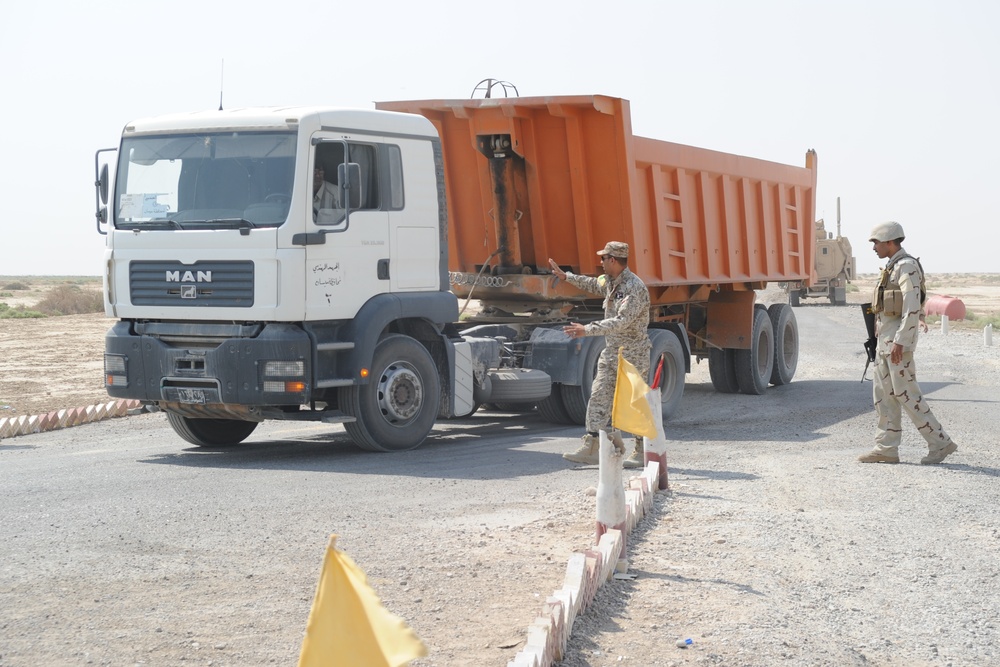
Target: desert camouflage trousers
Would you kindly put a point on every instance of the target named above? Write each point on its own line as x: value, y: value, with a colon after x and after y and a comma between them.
x: 602, y: 395
x: 895, y: 390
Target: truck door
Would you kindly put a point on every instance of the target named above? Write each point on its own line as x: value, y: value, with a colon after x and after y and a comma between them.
x: 351, y: 265
x: 417, y: 234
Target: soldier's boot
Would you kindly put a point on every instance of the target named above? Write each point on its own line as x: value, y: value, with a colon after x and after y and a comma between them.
x: 878, y: 457
x: 638, y: 457
x: 587, y: 453
x: 940, y: 455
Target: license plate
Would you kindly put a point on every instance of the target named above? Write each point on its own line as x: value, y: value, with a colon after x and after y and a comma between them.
x: 191, y: 395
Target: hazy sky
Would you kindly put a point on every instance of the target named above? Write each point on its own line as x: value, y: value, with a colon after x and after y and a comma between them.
x: 901, y: 99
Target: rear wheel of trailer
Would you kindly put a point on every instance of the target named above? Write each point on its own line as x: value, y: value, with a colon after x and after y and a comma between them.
x: 786, y: 343
x: 754, y: 366
x: 672, y: 380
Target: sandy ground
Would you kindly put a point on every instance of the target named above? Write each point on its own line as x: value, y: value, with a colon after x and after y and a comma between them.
x: 51, y: 363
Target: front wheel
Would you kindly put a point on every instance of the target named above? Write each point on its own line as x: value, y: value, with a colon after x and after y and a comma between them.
x: 211, y: 432
x: 397, y: 408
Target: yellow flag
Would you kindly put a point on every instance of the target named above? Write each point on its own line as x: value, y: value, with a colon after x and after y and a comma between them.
x: 630, y: 411
x: 348, y: 626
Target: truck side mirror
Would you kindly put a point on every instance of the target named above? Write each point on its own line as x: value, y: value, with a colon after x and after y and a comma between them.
x: 349, y: 179
x: 101, y: 187
x: 102, y: 183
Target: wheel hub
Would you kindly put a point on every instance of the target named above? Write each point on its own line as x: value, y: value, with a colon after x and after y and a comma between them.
x: 400, y: 393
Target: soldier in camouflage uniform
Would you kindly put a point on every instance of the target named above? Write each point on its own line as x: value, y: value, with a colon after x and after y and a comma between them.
x: 898, y: 303
x: 626, y: 317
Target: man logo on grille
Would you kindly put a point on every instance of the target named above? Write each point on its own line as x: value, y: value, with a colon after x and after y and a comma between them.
x: 189, y: 277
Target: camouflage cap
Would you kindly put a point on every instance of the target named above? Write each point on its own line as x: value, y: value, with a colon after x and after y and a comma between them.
x: 615, y: 249
x: 887, y: 231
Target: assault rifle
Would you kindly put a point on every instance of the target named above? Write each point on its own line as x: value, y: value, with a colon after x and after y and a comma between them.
x: 871, y: 345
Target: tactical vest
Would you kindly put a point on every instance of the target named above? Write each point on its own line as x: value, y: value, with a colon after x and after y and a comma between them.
x: 887, y: 299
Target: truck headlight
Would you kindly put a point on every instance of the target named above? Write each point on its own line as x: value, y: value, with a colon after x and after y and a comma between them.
x: 287, y: 387
x: 115, y: 370
x: 284, y: 377
x: 284, y: 368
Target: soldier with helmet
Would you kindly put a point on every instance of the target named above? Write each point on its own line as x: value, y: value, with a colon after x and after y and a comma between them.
x: 626, y: 318
x: 898, y: 303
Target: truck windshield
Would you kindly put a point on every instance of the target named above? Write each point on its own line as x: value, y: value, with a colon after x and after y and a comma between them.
x: 221, y: 180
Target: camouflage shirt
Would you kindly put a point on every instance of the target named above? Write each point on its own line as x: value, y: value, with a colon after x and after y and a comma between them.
x: 904, y: 275
x: 626, y: 308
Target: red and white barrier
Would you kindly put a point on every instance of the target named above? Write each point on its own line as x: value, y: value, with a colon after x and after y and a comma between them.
x: 587, y: 571
x: 26, y: 424
x: 655, y: 450
x: 611, y: 513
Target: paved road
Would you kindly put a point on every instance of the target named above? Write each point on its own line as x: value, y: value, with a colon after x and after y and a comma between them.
x: 778, y: 548
x: 120, y: 544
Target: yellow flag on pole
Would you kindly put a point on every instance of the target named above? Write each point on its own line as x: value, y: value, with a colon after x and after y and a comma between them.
x: 348, y: 626
x: 630, y: 411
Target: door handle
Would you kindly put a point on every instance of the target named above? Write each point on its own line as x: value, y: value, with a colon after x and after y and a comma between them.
x: 309, y: 238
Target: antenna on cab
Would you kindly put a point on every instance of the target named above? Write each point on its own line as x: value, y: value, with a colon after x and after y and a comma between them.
x: 222, y: 76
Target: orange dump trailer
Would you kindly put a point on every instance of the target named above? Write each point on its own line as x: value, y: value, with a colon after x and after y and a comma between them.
x: 531, y: 178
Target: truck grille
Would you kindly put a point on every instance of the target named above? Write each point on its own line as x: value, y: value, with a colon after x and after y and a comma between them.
x: 211, y: 284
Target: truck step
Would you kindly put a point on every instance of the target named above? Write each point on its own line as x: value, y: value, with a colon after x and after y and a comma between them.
x: 336, y: 417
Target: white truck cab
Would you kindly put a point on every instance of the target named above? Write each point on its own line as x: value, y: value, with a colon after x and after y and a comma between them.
x: 284, y: 263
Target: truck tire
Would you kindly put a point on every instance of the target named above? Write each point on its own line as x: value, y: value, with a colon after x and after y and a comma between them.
x: 519, y: 386
x: 672, y: 381
x: 754, y: 366
x: 397, y: 408
x: 575, y: 397
x: 575, y: 402
x: 722, y: 370
x: 793, y: 298
x: 786, y: 343
x: 552, y: 409
x: 211, y: 432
